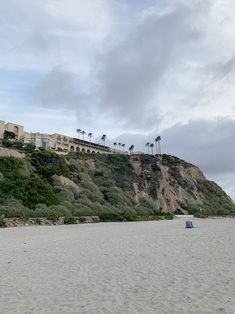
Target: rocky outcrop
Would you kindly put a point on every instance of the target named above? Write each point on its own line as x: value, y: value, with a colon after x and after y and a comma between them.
x: 172, y: 183
x: 17, y: 222
x: 7, y: 152
x: 177, y: 184
x: 66, y: 182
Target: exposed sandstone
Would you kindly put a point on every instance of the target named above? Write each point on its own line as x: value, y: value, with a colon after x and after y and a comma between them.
x: 7, y: 152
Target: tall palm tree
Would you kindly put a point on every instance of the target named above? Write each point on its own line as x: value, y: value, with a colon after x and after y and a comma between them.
x: 158, y: 144
x: 151, y: 146
x: 83, y: 133
x: 147, y: 145
x: 131, y: 148
x: 90, y: 135
x: 115, y: 146
x: 78, y: 132
x: 103, y: 138
x: 119, y: 145
x: 123, y: 146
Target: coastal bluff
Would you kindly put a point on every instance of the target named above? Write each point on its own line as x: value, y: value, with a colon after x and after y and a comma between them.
x: 157, y: 183
x: 112, y: 187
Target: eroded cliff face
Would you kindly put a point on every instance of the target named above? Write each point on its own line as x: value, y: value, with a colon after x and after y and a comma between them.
x: 172, y: 182
x: 165, y: 182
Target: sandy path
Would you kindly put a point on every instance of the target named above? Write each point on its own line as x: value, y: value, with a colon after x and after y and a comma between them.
x: 144, y: 267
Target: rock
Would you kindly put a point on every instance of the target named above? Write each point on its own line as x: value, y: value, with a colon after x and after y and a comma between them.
x: 7, y: 152
x: 66, y: 182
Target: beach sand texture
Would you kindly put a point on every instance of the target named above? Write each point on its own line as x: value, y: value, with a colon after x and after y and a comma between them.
x: 142, y: 267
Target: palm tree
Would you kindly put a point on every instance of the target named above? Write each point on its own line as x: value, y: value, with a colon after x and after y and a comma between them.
x: 151, y: 145
x: 147, y: 145
x: 90, y: 135
x: 83, y: 133
x: 103, y: 138
x: 158, y: 144
x: 119, y: 145
x: 131, y: 148
x: 78, y: 132
x: 123, y: 146
x: 115, y: 146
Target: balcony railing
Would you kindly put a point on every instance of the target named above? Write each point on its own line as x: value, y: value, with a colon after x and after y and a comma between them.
x: 90, y: 144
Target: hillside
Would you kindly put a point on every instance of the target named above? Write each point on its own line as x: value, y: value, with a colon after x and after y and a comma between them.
x: 43, y: 184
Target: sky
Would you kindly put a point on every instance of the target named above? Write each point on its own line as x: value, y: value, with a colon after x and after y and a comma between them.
x: 131, y: 69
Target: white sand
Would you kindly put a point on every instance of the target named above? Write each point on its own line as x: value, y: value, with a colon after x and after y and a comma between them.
x: 144, y: 267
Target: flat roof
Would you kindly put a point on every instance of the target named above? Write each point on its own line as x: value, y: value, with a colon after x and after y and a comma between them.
x: 14, y: 124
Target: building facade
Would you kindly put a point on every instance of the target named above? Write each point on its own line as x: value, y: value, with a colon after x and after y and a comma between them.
x: 57, y: 142
x: 17, y: 129
x: 40, y: 140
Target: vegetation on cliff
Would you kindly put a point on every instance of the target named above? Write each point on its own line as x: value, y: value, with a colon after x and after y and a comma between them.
x: 113, y: 187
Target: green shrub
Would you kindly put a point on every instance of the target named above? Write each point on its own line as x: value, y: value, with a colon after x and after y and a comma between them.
x: 82, y: 210
x: 18, y: 145
x: 7, y: 143
x: 60, y: 210
x: 28, y: 148
x: 26, y: 169
x: 40, y: 211
x: 48, y: 164
x: 143, y: 211
x: 1, y: 177
x: 30, y: 190
x: 116, y: 197
x: 168, y: 216
x: 10, y: 166
x: 90, y: 189
x: 70, y: 220
x: 96, y: 208
x: 110, y: 216
x: 65, y: 195
x: 193, y: 209
x: 146, y: 206
x: 129, y: 216
x: 11, y: 207
x: 54, y: 216
x: 2, y: 221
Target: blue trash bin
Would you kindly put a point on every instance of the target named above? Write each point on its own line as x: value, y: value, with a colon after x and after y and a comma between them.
x: 189, y: 225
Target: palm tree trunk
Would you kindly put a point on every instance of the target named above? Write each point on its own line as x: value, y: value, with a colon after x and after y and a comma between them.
x: 159, y: 147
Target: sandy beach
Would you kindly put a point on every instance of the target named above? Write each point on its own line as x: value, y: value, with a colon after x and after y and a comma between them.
x: 141, y: 267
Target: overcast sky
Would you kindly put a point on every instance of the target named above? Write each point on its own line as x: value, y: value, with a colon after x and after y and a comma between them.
x: 132, y: 69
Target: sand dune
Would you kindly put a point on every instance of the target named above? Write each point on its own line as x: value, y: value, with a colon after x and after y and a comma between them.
x: 144, y: 267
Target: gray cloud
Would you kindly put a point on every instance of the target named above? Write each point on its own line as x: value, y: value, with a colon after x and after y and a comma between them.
x: 58, y: 88
x: 132, y: 71
x: 210, y: 144
x: 62, y: 90
x: 226, y: 68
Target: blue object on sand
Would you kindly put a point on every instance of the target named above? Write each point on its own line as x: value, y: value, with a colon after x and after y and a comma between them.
x: 189, y: 224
